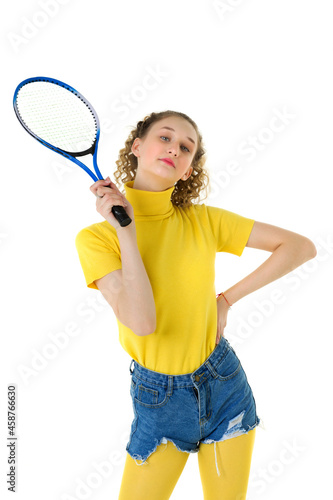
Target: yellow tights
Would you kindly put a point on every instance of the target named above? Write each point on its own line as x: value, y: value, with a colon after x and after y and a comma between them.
x: 157, y: 479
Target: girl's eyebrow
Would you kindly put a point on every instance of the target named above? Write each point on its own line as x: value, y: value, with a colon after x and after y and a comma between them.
x: 169, y: 128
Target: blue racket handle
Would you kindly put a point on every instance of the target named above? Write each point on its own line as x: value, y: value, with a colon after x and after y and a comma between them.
x: 117, y: 210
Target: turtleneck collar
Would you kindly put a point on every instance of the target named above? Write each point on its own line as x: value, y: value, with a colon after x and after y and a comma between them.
x: 150, y: 204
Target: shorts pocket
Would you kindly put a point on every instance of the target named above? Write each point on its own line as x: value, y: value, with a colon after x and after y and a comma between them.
x: 228, y: 367
x: 148, y: 394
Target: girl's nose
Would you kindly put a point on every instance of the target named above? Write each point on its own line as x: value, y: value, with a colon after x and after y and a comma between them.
x: 173, y: 150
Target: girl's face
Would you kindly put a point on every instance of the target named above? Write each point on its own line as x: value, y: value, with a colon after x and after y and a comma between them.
x: 179, y: 145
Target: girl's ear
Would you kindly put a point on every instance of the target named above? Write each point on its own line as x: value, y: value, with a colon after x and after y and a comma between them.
x: 187, y: 174
x: 136, y: 147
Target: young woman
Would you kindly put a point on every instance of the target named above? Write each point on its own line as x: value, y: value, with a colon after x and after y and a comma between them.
x: 189, y: 391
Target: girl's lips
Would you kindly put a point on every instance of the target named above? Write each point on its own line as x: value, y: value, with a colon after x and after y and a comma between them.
x: 168, y: 162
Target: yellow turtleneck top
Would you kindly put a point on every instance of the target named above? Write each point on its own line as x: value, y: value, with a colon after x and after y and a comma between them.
x: 178, y: 248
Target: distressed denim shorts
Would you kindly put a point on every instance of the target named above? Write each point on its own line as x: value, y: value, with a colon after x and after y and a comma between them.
x: 212, y: 404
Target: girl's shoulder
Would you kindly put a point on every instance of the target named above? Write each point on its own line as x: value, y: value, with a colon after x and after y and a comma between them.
x: 99, y: 230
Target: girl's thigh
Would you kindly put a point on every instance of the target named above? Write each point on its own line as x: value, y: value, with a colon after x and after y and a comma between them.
x: 156, y: 478
x: 233, y: 458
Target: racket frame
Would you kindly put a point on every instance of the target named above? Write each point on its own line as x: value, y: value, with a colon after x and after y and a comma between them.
x: 67, y: 154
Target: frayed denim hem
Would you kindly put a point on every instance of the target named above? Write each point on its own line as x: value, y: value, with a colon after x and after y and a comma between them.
x: 163, y: 440
x: 232, y: 434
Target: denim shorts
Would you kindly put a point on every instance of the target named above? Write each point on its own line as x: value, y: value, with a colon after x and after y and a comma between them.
x: 212, y: 404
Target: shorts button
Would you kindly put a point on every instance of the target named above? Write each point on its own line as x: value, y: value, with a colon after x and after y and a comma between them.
x: 197, y: 378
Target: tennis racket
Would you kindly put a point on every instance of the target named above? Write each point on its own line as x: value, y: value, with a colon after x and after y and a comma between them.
x: 61, y: 119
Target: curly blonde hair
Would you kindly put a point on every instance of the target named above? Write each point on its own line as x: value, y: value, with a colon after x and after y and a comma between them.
x: 185, y: 191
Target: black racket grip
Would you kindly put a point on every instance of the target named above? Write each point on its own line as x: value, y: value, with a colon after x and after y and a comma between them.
x: 121, y: 215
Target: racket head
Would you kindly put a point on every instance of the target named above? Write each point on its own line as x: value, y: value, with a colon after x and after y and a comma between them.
x: 58, y: 116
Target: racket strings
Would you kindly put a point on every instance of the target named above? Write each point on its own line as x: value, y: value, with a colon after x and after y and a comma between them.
x: 57, y: 116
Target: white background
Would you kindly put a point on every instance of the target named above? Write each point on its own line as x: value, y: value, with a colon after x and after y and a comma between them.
x: 232, y: 66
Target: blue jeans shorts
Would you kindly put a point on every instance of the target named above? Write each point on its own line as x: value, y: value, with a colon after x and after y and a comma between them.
x: 212, y: 404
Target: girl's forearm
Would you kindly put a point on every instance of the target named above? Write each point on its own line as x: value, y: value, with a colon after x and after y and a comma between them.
x: 282, y: 261
x: 136, y: 300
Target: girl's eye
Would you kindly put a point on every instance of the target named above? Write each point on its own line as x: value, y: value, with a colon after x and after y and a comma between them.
x: 165, y: 137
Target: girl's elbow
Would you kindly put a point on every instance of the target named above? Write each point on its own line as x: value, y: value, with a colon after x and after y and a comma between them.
x: 145, y: 327
x: 307, y: 249
x: 144, y: 330
x: 310, y: 249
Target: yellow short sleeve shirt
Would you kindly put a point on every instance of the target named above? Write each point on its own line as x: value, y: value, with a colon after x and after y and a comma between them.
x: 178, y: 248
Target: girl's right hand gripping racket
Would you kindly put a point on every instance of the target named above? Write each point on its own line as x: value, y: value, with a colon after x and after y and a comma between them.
x: 60, y: 118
